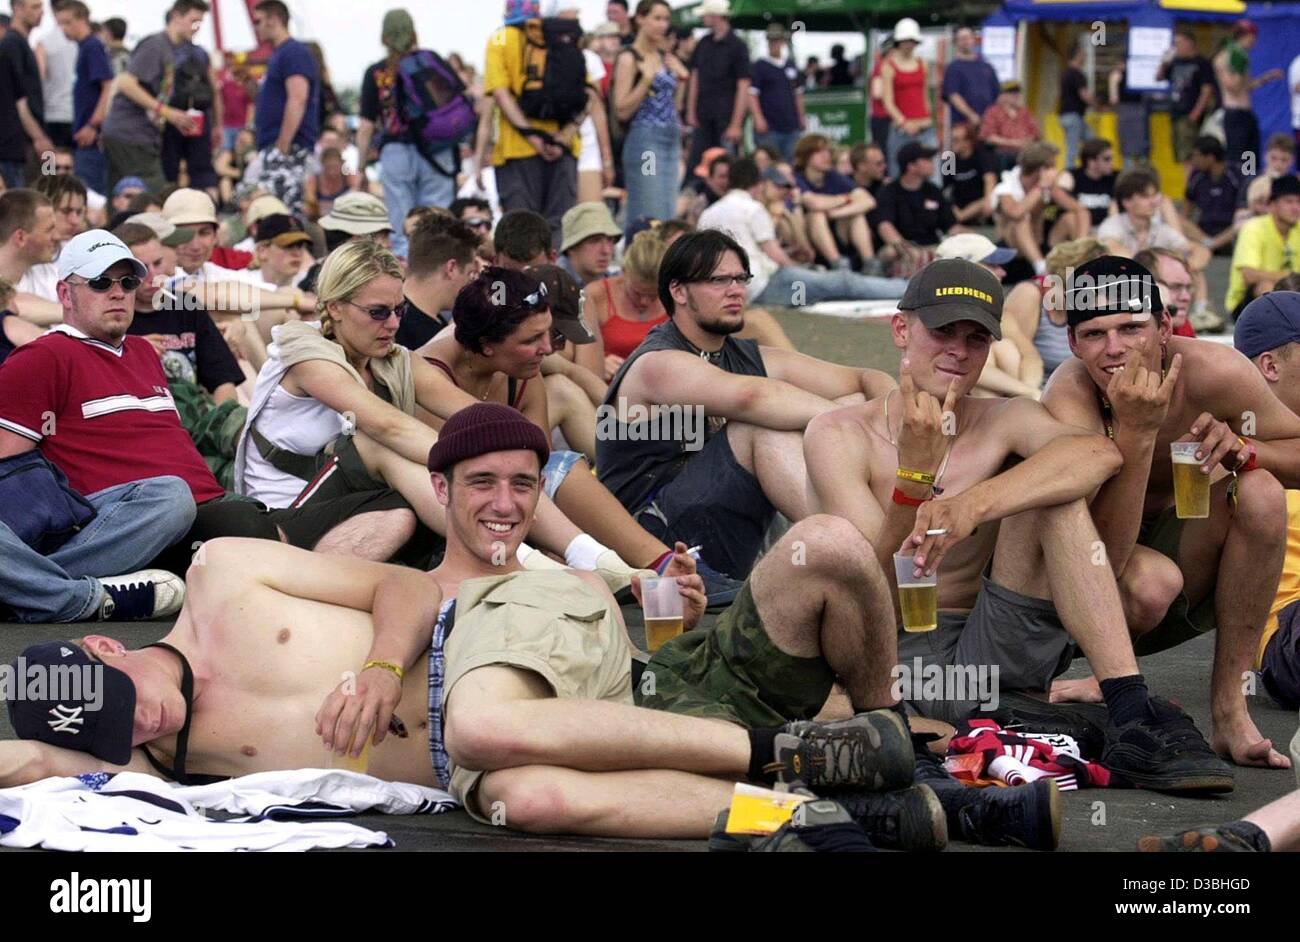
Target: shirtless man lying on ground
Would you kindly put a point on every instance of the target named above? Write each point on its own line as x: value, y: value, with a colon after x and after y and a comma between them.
x: 1180, y: 578
x: 538, y: 719
x: 883, y: 465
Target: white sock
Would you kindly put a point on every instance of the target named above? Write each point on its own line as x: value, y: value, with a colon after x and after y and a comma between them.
x: 582, y: 552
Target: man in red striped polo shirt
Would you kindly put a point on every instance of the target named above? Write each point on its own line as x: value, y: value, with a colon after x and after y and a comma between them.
x: 95, y: 403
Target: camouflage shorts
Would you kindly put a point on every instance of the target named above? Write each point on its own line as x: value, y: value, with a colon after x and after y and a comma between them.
x: 1184, y: 621
x: 734, y: 672
x: 283, y: 174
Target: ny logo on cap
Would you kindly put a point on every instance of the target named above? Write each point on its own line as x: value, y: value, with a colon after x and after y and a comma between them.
x: 65, y: 718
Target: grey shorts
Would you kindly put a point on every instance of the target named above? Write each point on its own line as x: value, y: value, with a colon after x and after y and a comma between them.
x: 1008, y: 641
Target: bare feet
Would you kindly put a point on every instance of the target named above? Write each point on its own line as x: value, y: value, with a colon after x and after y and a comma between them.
x: 1241, y: 742
x: 1086, y: 690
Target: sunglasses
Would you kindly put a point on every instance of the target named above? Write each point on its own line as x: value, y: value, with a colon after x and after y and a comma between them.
x: 478, y: 223
x: 378, y: 313
x: 104, y: 283
x: 725, y: 281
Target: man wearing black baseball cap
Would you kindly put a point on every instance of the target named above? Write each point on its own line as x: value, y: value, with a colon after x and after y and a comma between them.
x: 912, y: 209
x: 920, y: 471
x: 1268, y: 334
x: 282, y: 245
x: 1134, y: 382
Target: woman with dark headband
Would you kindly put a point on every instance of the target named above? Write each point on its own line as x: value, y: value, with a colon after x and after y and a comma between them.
x: 333, y: 425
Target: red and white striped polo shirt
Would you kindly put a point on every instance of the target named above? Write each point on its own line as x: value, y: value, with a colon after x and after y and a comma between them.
x: 102, y: 414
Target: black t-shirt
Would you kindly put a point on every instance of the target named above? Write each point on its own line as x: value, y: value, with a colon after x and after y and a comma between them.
x: 922, y: 215
x: 720, y: 63
x: 418, y: 327
x: 841, y: 73
x: 191, y: 335
x: 1095, y: 195
x: 1216, y: 198
x: 1186, y: 77
x: 965, y: 185
x: 1072, y: 82
x: 19, y: 78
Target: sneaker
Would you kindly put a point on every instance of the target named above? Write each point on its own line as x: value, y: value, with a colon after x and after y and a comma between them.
x: 1023, y: 816
x: 718, y: 586
x: 871, y: 750
x: 907, y: 819
x: 1084, y: 722
x: 1206, y: 321
x: 842, y: 264
x: 1165, y: 752
x: 818, y: 826
x: 873, y: 267
x: 141, y: 596
x: 1208, y: 840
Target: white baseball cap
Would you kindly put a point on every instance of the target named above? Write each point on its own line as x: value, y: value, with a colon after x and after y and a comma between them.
x: 715, y: 8
x: 189, y: 208
x: 974, y: 247
x: 90, y: 254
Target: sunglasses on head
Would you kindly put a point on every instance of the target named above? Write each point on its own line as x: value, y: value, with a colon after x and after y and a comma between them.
x: 104, y: 283
x: 379, y: 313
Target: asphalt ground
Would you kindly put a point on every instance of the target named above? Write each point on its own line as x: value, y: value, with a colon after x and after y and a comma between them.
x: 1094, y: 820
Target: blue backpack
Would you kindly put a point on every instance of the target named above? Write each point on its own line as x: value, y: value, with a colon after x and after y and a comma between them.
x: 433, y: 104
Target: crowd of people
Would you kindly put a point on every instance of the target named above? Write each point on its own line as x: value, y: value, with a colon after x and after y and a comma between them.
x: 497, y: 348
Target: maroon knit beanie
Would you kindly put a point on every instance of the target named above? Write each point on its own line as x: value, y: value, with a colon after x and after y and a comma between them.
x: 483, y: 428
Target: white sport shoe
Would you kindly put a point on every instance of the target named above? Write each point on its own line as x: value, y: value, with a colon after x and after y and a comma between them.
x: 141, y: 596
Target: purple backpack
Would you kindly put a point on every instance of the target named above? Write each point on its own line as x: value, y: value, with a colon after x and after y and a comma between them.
x: 432, y: 101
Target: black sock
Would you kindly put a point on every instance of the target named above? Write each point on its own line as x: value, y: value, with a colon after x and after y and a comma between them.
x: 1251, y: 833
x: 762, y: 752
x: 1126, y: 697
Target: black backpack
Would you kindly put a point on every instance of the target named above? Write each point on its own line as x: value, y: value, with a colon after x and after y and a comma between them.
x: 191, y: 86
x: 555, y: 72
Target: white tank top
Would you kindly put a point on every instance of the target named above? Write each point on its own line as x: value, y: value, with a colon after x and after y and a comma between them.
x: 295, y: 423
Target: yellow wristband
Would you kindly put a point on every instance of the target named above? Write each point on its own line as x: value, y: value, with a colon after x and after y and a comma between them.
x: 919, y: 477
x: 297, y: 299
x: 394, y: 669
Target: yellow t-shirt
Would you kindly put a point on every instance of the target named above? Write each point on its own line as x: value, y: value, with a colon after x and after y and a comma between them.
x: 505, y: 69
x: 1259, y: 245
x: 1288, y: 586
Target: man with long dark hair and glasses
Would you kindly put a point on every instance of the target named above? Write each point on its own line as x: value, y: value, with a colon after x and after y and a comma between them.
x: 701, y: 434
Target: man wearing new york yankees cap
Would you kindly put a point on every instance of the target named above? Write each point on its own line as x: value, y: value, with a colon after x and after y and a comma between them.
x: 991, y: 494
x: 1134, y: 382
x: 78, y: 398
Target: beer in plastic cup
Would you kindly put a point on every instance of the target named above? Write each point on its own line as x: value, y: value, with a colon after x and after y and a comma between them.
x: 1191, y: 484
x: 197, y: 117
x: 663, y: 610
x: 918, y: 596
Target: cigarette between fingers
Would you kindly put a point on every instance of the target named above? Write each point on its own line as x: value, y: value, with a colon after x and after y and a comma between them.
x: 936, y: 532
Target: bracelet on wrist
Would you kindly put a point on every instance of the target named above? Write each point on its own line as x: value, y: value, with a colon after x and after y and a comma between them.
x: 394, y: 669
x: 900, y: 498
x: 916, y: 477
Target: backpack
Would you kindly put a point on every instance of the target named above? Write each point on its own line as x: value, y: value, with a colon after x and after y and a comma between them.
x: 191, y: 87
x: 617, y: 128
x: 555, y: 72
x: 432, y: 103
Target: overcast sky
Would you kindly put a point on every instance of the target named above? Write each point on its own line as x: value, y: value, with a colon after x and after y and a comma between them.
x: 349, y: 29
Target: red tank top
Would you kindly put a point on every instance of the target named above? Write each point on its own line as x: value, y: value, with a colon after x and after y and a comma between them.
x: 621, y: 335
x: 909, y: 92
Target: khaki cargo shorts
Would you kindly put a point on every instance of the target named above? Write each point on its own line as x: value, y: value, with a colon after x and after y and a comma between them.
x: 548, y: 622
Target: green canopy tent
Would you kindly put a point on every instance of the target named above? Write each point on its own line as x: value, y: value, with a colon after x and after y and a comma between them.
x: 840, y: 113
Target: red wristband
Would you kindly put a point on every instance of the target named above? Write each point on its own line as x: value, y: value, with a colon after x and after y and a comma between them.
x: 901, y: 498
x: 1251, y: 464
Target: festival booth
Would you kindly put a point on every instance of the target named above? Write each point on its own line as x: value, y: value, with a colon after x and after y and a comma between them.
x: 1031, y: 40
x: 840, y: 113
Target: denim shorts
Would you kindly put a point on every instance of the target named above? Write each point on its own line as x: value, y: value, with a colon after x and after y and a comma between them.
x: 557, y: 468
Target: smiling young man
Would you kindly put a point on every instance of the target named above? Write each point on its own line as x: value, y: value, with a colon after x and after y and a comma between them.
x: 1179, y: 578
x: 701, y: 434
x: 932, y: 480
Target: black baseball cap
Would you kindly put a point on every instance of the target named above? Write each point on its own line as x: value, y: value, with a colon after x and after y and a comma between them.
x: 952, y: 289
x: 99, y: 721
x: 282, y: 230
x: 913, y: 150
x: 1109, y: 285
x: 566, y: 303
